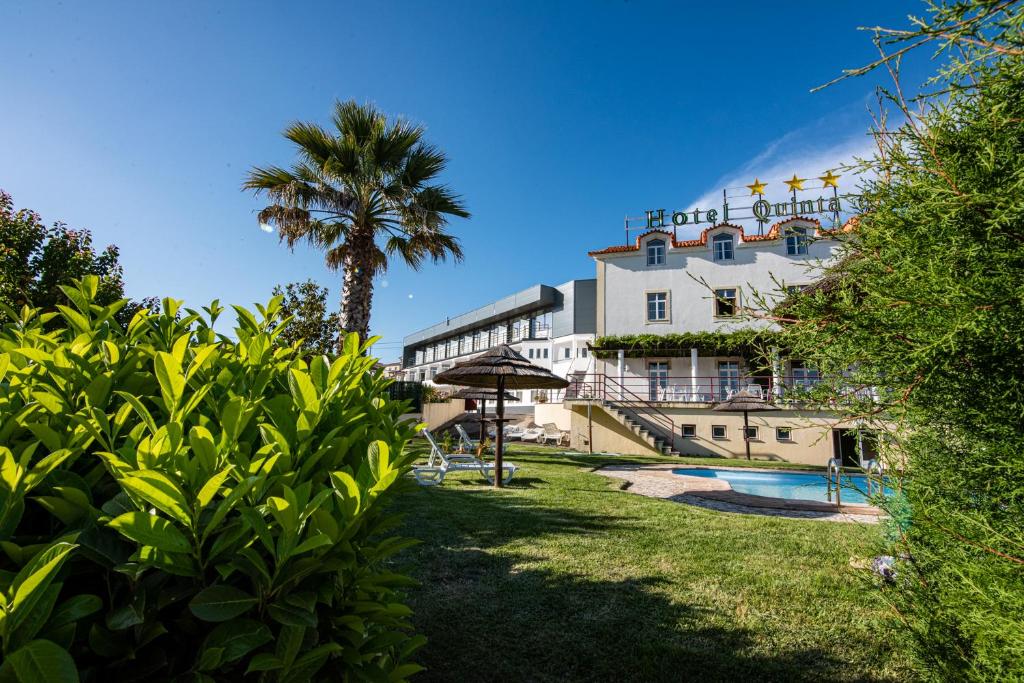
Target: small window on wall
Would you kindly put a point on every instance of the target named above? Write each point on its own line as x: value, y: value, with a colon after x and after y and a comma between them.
x: 530, y: 352
x: 783, y: 434
x: 656, y: 253
x: 718, y: 432
x: 752, y: 433
x: 725, y: 302
x: 568, y: 352
x: 583, y: 352
x: 689, y: 431
x: 657, y: 306
x: 723, y: 247
x: 796, y: 241
x: 545, y: 353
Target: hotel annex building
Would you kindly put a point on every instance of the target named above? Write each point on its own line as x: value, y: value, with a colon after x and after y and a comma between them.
x: 632, y: 402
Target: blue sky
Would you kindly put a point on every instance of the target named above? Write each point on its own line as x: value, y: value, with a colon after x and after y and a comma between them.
x: 139, y: 120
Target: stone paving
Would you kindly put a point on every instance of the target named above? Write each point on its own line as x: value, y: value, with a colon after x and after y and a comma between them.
x: 657, y: 481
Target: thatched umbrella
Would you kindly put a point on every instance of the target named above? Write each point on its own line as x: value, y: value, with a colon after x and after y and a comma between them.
x: 499, y: 369
x: 747, y: 403
x: 482, y: 395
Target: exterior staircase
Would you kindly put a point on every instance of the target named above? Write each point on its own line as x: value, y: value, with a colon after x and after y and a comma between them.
x: 647, y: 432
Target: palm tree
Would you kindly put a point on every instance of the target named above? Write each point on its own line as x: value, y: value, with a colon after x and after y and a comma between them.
x: 364, y: 192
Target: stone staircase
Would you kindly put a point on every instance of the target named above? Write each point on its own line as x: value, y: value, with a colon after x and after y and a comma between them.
x: 653, y: 435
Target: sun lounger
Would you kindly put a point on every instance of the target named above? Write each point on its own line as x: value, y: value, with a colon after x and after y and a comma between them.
x: 532, y: 434
x: 552, y: 434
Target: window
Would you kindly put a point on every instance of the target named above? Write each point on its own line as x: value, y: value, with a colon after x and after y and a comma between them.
x: 582, y: 352
x: 545, y: 353
x: 657, y: 306
x: 792, y: 290
x: 796, y: 241
x: 783, y: 434
x: 531, y: 353
x: 804, y: 376
x: 725, y: 302
x: 568, y: 352
x: 657, y: 376
x: 728, y: 378
x: 723, y: 247
x: 689, y: 431
x: 718, y: 432
x: 752, y: 433
x: 656, y: 253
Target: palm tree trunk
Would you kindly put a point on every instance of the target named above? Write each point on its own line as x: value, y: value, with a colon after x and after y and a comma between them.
x: 357, y: 290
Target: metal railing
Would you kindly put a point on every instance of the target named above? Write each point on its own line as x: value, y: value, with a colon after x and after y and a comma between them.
x: 686, y: 389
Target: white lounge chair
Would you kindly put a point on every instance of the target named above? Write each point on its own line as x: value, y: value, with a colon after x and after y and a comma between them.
x: 552, y: 434
x: 440, y: 464
x: 532, y: 434
x: 512, y: 432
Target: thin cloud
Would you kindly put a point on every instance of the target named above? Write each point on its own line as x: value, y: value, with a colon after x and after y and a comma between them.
x: 808, y: 152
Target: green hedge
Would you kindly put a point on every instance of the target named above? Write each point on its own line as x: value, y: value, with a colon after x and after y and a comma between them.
x: 175, y: 505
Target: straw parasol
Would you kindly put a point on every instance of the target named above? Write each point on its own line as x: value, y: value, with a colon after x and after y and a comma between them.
x: 482, y: 395
x: 499, y: 369
x: 745, y: 402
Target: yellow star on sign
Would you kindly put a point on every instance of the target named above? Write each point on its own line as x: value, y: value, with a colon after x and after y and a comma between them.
x: 757, y: 187
x: 795, y: 183
x: 829, y: 179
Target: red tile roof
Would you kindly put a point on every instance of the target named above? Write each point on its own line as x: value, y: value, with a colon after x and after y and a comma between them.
x: 774, y: 232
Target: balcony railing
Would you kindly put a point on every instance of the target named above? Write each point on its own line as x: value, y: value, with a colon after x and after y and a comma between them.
x: 686, y: 389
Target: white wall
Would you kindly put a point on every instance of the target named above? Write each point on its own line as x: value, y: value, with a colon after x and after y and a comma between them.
x: 627, y: 279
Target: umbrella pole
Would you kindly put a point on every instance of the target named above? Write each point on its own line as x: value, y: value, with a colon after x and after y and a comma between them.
x: 499, y: 430
x: 746, y: 433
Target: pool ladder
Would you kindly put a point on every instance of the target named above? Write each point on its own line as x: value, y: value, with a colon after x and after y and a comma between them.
x: 835, y: 471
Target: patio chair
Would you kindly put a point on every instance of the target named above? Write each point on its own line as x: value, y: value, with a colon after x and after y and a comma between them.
x: 532, y: 434
x: 755, y: 390
x: 552, y: 434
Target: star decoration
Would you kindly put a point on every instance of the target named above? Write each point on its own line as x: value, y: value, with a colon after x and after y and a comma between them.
x: 795, y: 183
x: 829, y: 179
x: 757, y: 187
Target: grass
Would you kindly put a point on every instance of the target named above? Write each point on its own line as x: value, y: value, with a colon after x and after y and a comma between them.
x: 562, y: 576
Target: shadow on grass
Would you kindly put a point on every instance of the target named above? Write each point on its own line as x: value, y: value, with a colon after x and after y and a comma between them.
x: 491, y: 614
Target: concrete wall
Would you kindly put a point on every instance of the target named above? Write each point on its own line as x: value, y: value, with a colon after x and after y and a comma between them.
x: 609, y: 435
x: 435, y: 414
x: 810, y: 443
x: 552, y: 412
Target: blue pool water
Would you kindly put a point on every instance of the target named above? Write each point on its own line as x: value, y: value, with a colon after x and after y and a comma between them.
x: 794, y: 485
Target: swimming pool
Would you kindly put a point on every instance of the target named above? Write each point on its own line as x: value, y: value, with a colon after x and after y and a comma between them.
x: 793, y: 485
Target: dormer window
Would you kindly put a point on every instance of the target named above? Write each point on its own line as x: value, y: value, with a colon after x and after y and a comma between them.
x: 723, y: 247
x: 656, y: 253
x: 796, y: 241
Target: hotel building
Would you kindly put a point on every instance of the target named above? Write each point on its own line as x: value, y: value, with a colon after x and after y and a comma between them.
x: 661, y: 401
x: 551, y: 326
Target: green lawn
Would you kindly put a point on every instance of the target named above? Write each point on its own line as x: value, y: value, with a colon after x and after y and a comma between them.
x: 562, y: 576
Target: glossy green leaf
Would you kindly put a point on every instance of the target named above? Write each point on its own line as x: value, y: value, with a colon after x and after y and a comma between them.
x: 148, y: 529
x: 221, y: 603
x: 37, y: 662
x: 157, y: 489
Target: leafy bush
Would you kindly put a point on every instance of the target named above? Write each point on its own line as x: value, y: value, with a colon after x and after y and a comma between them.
x: 177, y: 505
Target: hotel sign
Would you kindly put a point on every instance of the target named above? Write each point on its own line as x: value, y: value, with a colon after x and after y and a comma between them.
x: 760, y: 209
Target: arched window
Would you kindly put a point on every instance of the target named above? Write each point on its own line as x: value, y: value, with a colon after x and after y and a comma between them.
x: 723, y: 247
x: 796, y: 241
x: 656, y: 253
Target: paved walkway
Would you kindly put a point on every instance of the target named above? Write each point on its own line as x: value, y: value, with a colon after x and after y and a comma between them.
x: 657, y: 481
